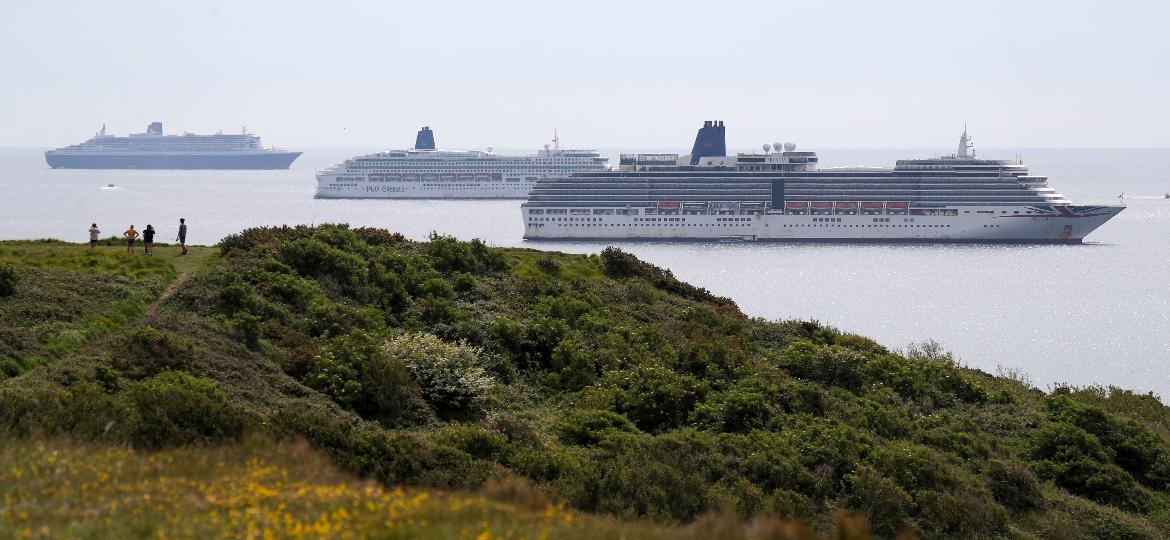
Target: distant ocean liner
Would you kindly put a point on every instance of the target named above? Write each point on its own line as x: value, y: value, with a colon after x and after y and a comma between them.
x: 427, y: 173
x: 153, y: 150
x: 781, y: 195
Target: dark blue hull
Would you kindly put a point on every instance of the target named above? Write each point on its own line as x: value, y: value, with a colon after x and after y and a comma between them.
x: 269, y: 160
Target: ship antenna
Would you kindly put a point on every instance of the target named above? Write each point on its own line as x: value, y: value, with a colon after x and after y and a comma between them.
x: 556, y: 140
x: 244, y: 130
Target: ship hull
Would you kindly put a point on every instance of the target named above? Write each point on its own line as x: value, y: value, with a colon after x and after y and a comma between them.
x: 1064, y: 225
x: 181, y: 161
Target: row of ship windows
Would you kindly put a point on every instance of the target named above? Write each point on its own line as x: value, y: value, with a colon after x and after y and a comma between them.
x: 819, y: 222
x: 918, y: 226
x: 849, y: 212
x: 875, y: 220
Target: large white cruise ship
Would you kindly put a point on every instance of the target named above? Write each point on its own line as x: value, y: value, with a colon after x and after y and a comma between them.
x: 781, y: 195
x: 153, y: 150
x: 427, y: 173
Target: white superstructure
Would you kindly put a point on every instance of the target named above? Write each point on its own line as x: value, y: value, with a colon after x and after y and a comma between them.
x: 781, y: 195
x: 425, y: 172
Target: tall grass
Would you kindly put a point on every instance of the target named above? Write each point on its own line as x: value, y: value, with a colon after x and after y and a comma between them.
x: 265, y: 489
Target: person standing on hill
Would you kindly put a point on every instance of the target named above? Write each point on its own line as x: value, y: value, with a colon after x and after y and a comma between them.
x: 148, y: 240
x: 182, y: 238
x: 94, y: 234
x: 131, y: 235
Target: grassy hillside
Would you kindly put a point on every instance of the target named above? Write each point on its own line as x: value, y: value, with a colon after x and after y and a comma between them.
x: 603, y: 381
x: 262, y: 489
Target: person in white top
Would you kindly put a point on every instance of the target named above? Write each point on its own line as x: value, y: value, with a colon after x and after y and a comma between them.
x: 94, y: 233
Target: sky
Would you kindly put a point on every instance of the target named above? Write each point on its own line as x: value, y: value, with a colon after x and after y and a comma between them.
x: 604, y: 74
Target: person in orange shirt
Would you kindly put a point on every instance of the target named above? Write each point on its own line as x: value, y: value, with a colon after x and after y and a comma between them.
x: 131, y: 235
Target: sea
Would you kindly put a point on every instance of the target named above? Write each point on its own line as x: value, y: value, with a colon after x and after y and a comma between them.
x: 1090, y: 314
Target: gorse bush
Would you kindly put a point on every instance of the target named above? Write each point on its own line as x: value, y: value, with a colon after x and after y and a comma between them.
x: 149, y: 351
x: 8, y: 280
x: 358, y: 374
x: 174, y: 408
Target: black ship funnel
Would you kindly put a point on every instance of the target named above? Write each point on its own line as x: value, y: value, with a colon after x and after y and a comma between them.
x: 425, y: 139
x: 710, y: 142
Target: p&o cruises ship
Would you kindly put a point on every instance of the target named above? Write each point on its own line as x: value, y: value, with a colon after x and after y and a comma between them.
x: 781, y: 195
x: 425, y: 172
x: 153, y: 150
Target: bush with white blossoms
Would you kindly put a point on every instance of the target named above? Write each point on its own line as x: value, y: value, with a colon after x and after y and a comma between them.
x: 450, y: 376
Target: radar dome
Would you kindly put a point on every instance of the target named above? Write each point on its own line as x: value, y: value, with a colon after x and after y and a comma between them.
x: 777, y: 146
x: 767, y: 147
x: 490, y: 149
x: 546, y: 147
x: 788, y: 147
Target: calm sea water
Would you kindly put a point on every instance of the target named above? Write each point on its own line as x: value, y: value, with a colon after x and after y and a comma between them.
x: 1094, y: 313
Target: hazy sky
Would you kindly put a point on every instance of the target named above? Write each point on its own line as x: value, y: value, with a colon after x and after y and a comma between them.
x: 606, y: 74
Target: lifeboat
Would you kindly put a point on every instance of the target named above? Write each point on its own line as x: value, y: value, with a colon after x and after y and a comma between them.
x: 897, y: 206
x: 871, y: 206
x: 668, y: 205
x: 821, y: 207
x: 796, y: 205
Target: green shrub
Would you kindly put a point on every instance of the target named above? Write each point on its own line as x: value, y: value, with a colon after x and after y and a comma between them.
x: 884, y: 504
x: 450, y: 376
x: 548, y: 265
x: 589, y: 426
x: 833, y: 366
x: 1014, y: 486
x: 656, y: 398
x: 174, y: 408
x: 8, y: 280
x: 435, y: 289
x: 1134, y: 447
x: 618, y: 264
x: 478, y: 442
x: 84, y: 410
x: 391, y: 457
x: 464, y: 282
x: 664, y: 477
x: 291, y: 290
x: 247, y: 326
x: 108, y: 378
x: 1077, y: 461
x: 356, y: 372
x: 450, y: 255
x: 149, y: 351
x: 741, y: 408
x: 378, y: 237
x: 314, y: 258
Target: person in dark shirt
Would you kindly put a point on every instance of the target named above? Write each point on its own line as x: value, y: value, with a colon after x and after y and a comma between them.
x: 148, y: 240
x: 182, y: 238
x: 94, y: 233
